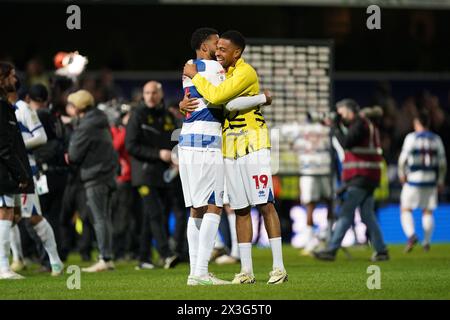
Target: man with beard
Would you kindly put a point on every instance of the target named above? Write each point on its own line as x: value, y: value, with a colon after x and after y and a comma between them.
x: 15, y: 171
x: 200, y: 154
x: 246, y: 152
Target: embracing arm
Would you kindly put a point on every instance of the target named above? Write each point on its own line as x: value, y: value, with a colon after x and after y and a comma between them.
x: 242, y: 103
x: 227, y: 90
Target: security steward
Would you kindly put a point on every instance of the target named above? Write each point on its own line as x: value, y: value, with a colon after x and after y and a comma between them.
x: 148, y: 141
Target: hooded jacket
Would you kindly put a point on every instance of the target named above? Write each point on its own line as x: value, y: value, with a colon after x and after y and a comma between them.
x: 91, y: 149
x: 14, y: 165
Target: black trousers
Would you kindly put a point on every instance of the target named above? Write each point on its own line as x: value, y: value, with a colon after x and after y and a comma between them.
x: 283, y: 208
x: 32, y: 246
x: 74, y: 201
x: 51, y: 203
x: 181, y: 213
x: 126, y: 220
x: 154, y: 205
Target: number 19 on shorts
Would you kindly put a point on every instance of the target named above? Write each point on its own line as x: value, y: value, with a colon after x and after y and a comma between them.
x: 261, y: 180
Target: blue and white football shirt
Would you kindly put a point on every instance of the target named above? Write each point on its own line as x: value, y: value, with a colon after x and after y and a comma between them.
x: 203, y: 127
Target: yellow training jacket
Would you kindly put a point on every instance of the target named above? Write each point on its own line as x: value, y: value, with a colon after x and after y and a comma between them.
x: 243, y: 131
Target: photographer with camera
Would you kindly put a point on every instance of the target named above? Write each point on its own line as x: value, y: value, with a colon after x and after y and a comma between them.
x: 361, y: 175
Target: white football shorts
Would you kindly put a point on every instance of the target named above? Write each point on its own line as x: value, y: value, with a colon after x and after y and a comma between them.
x: 30, y: 205
x: 202, y: 176
x: 9, y: 200
x: 413, y: 197
x: 249, y: 179
x: 314, y: 188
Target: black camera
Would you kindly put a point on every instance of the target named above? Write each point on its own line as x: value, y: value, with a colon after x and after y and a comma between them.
x: 316, y: 116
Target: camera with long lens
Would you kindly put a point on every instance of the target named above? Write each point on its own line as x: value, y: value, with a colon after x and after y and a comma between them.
x: 317, y: 116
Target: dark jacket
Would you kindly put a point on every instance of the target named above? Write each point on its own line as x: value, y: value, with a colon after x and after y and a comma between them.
x: 50, y: 156
x: 356, y: 134
x: 148, y: 131
x: 91, y: 149
x: 14, y: 165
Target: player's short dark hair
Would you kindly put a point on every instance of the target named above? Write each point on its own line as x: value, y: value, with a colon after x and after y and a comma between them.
x: 423, y: 117
x: 201, y: 35
x: 38, y: 92
x: 235, y: 37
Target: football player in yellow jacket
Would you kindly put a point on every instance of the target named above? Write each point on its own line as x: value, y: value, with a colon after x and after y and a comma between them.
x: 246, y: 151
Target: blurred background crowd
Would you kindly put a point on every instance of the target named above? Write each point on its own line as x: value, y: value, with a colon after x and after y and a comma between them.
x: 402, y: 71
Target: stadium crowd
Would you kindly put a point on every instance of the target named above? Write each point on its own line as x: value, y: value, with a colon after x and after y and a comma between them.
x: 120, y: 192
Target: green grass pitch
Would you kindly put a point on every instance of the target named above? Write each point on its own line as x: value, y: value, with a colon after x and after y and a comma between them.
x: 418, y: 275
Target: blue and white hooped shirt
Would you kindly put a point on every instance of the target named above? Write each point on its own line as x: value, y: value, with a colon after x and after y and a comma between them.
x: 31, y: 129
x: 203, y: 127
x: 422, y: 157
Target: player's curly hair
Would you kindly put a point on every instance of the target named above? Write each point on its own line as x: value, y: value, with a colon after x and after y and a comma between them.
x: 200, y: 35
x: 235, y: 37
x: 5, y: 70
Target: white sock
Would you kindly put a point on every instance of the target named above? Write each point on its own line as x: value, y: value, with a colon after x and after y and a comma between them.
x: 428, y: 226
x: 309, y: 232
x: 310, y: 241
x: 208, y: 232
x: 193, y: 231
x: 16, y: 244
x: 245, y: 250
x: 277, y: 253
x: 407, y: 221
x: 45, y: 233
x: 234, y: 241
x: 5, y: 230
x: 218, y: 243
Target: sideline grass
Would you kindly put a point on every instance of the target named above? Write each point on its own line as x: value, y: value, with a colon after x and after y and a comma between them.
x: 417, y: 275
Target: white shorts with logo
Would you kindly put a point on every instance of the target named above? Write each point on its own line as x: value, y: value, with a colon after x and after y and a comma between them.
x: 413, y: 197
x: 202, y: 176
x: 9, y: 200
x: 30, y: 205
x: 249, y: 179
x: 314, y: 188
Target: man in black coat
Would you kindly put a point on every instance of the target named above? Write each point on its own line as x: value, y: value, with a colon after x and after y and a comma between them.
x: 148, y: 141
x: 15, y: 171
x: 91, y: 149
